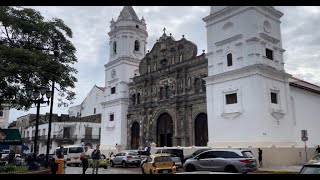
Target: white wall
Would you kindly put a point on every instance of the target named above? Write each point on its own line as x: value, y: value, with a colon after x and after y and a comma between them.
x: 92, y: 100
x: 307, y: 115
x: 4, y: 120
x: 114, y: 132
x: 249, y: 122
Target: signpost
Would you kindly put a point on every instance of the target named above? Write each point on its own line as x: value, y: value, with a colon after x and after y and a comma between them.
x: 305, y: 139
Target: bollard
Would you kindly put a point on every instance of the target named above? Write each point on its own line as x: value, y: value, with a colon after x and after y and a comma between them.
x: 60, y: 161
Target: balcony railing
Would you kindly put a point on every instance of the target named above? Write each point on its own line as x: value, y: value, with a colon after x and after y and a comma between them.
x: 26, y: 139
x: 91, y: 137
x: 61, y: 137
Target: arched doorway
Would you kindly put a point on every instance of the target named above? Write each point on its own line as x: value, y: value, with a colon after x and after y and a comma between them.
x: 135, y: 135
x: 164, y: 130
x: 201, y: 130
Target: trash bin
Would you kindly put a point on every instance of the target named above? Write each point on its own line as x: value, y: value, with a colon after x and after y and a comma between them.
x: 60, y: 161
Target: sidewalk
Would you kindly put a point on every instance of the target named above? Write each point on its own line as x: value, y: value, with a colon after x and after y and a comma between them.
x: 281, y: 169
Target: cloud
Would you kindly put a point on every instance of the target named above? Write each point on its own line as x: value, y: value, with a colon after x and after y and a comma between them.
x: 90, y: 25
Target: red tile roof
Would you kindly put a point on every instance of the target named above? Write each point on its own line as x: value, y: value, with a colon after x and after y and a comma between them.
x: 304, y: 85
x: 101, y: 88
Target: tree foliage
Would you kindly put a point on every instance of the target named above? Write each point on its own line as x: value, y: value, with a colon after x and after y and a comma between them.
x: 34, y: 51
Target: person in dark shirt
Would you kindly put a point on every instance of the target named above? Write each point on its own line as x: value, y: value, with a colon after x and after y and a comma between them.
x: 95, y: 155
x: 260, y: 157
x: 318, y: 150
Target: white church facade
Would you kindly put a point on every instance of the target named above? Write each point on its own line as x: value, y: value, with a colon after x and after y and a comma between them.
x: 251, y: 100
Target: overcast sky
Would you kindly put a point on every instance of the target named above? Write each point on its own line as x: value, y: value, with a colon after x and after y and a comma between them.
x: 90, y: 25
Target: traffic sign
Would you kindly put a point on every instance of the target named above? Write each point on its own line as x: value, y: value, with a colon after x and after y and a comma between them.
x: 304, y: 138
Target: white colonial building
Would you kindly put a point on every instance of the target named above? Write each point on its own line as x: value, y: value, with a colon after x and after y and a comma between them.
x: 90, y: 105
x: 251, y: 100
x: 4, y: 117
x: 65, y: 131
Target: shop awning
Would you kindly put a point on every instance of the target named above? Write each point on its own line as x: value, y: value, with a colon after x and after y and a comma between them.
x: 10, y: 137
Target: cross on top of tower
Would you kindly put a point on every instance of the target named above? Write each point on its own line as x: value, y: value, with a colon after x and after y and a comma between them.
x: 164, y: 30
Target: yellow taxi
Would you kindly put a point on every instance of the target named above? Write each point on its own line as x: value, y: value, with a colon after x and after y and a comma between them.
x: 158, y: 164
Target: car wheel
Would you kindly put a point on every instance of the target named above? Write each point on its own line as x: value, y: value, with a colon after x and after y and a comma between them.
x: 190, y: 168
x: 111, y: 164
x: 124, y: 164
x: 231, y: 169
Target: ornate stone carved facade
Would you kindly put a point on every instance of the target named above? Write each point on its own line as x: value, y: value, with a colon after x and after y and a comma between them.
x: 174, y: 88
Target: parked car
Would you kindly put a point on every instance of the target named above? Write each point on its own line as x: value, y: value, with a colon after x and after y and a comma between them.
x: 177, y: 152
x: 310, y: 168
x: 315, y: 158
x: 194, y: 154
x: 103, y: 162
x: 126, y: 158
x: 143, y: 154
x: 222, y: 160
x: 158, y: 164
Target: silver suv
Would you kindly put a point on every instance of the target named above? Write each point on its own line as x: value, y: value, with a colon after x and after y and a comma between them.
x: 126, y: 158
x: 222, y: 160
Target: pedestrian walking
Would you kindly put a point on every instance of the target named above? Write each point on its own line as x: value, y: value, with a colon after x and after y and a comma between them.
x: 60, y: 154
x: 260, y: 157
x: 96, y: 157
x: 318, y: 150
x: 84, y: 158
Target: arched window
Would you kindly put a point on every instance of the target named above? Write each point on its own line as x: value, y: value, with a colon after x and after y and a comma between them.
x: 115, y: 47
x: 203, y: 85
x: 161, y: 92
x: 136, y: 45
x: 180, y: 58
x: 229, y: 59
x: 167, y: 92
x: 138, y: 98
x: 133, y: 99
x: 197, y: 85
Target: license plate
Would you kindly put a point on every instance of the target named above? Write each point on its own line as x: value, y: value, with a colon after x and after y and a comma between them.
x: 165, y: 171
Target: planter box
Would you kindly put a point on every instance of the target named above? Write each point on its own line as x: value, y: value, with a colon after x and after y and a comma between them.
x: 47, y: 171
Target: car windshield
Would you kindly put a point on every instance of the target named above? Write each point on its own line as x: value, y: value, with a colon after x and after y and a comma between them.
x: 133, y: 153
x: 162, y: 159
x: 247, y: 154
x: 310, y: 170
x: 199, y: 151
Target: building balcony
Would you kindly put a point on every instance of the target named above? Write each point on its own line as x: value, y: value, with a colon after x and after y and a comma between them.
x: 91, y: 137
x: 43, y: 138
x: 64, y: 139
x: 26, y: 139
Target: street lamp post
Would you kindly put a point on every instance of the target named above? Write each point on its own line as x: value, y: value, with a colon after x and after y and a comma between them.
x: 34, y: 96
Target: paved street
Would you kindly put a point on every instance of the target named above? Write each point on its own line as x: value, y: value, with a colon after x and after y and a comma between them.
x: 110, y: 170
x: 135, y: 170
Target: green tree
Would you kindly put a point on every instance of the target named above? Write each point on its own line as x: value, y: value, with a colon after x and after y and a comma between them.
x: 34, y: 51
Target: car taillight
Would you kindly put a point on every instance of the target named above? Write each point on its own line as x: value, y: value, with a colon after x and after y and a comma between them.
x: 245, y: 160
x: 129, y: 156
x: 154, y: 165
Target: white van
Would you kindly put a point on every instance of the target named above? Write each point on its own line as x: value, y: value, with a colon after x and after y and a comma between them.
x: 71, y: 154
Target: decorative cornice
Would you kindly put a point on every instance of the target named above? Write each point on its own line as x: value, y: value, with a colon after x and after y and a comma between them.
x: 269, y: 38
x: 115, y: 101
x: 123, y: 59
x: 261, y: 69
x: 253, y: 39
x: 225, y: 41
x: 231, y: 115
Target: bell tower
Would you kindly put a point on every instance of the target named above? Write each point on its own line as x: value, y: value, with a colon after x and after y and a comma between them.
x: 128, y: 40
x: 247, y: 87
